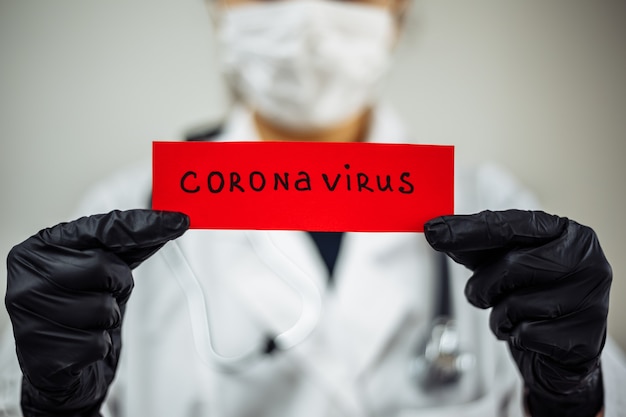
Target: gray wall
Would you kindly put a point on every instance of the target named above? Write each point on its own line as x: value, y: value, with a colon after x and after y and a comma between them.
x: 539, y: 87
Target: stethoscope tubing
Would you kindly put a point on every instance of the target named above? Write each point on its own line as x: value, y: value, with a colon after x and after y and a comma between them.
x: 425, y: 368
x: 287, y: 270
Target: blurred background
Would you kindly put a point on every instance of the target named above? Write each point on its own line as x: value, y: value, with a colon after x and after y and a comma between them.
x: 537, y: 87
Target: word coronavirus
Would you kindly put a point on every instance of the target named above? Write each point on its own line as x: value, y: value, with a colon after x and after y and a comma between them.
x: 301, y: 181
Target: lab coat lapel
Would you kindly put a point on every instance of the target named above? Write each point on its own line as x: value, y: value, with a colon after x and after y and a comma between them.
x: 314, y: 355
x: 360, y: 315
x: 375, y: 277
x: 297, y: 249
x: 280, y: 255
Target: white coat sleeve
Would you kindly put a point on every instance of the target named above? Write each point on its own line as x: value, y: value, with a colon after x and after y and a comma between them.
x: 127, y: 189
x: 614, y: 374
x: 10, y: 376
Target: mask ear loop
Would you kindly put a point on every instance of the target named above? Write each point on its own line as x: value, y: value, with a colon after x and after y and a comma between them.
x: 198, y: 312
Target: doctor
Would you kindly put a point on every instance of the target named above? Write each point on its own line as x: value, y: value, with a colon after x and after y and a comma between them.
x: 309, y: 70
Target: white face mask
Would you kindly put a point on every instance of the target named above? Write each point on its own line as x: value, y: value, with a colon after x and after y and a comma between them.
x: 306, y: 64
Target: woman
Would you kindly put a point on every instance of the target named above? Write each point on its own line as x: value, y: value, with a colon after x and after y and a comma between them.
x: 309, y: 70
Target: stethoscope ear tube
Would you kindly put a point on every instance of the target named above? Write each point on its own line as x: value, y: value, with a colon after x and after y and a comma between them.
x: 198, y: 312
x: 296, y: 278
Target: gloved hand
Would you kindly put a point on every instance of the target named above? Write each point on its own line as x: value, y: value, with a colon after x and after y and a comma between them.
x: 67, y: 287
x: 548, y: 283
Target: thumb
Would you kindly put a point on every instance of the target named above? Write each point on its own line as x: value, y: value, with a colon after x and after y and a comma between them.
x: 132, y: 235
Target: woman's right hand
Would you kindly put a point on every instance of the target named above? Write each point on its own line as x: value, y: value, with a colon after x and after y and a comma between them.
x: 67, y: 287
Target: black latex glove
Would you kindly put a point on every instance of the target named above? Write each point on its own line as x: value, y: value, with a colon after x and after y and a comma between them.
x: 548, y: 282
x: 67, y: 287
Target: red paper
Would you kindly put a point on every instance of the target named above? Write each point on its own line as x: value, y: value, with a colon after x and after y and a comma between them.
x: 362, y: 187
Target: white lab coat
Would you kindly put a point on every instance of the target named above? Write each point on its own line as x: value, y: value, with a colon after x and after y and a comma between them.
x: 356, y: 361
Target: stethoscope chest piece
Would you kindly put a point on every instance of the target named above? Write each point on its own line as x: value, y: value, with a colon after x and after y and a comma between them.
x: 441, y: 363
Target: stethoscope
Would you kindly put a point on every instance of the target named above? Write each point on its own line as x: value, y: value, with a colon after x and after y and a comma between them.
x: 286, y: 270
x: 439, y: 361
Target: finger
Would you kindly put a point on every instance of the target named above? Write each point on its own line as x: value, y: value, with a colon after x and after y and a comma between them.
x: 43, y: 269
x: 471, y: 239
x: 67, y: 351
x: 133, y: 235
x: 529, y: 305
x: 516, y: 269
x: 570, y: 340
x: 81, y: 310
x: 544, y: 374
x: 574, y: 260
